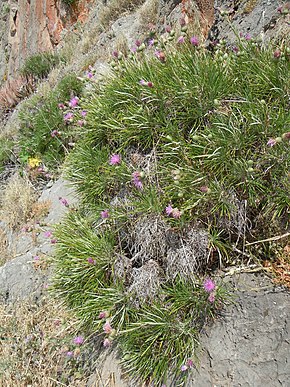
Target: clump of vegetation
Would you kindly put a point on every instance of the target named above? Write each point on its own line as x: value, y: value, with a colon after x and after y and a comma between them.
x: 50, y: 127
x: 17, y: 198
x: 116, y: 8
x: 182, y: 162
x: 40, y: 65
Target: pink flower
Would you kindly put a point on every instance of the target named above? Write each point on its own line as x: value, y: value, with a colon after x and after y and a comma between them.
x: 63, y: 201
x: 138, y: 43
x: 73, y: 102
x: 271, y: 142
x: 189, y: 363
x: 277, y: 54
x: 115, y: 159
x: 168, y: 29
x: 181, y: 39
x: 69, y: 354
x: 103, y: 315
x: 36, y: 258
x: 68, y: 117
x: 144, y: 83
x: 115, y: 54
x: 209, y: 285
x: 182, y: 22
x: 91, y: 261
x: 81, y: 122
x: 105, y: 214
x: 61, y: 106
x: 53, y: 241
x: 176, y: 213
x: 54, y: 133
x: 151, y: 42
x: 84, y: 113
x: 137, y: 180
x: 183, y: 368
x: 204, y: 189
x: 133, y: 49
x: 194, y: 41
x: 107, y: 328
x: 211, y: 297
x: 90, y: 75
x: 248, y: 36
x: 79, y: 340
x: 107, y: 343
x: 48, y: 234
x: 160, y: 55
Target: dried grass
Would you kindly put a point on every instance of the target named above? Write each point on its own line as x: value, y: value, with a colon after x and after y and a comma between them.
x: 16, y: 199
x: 5, y: 254
x: 115, y: 9
x: 34, y: 343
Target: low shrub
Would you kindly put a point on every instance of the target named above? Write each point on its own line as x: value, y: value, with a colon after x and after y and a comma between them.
x: 40, y: 65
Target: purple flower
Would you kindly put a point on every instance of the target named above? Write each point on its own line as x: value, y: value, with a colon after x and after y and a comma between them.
x: 61, y: 106
x: 194, y: 41
x: 53, y: 241
x: 151, y: 42
x: 183, y: 368
x: 211, y: 297
x: 115, y: 159
x: 204, y: 189
x: 90, y: 75
x: 63, y: 201
x: 176, y: 213
x: 69, y: 354
x: 189, y: 363
x: 169, y: 210
x: 36, y: 258
x: 137, y: 180
x: 107, y: 343
x: 73, y: 102
x: 271, y: 142
x: 209, y: 285
x: 54, y: 133
x: 48, y: 234
x: 248, y: 36
x: 68, y: 117
x: 181, y: 39
x: 115, y: 54
x: 91, y: 261
x: 79, y: 340
x: 105, y: 214
x: 84, y: 113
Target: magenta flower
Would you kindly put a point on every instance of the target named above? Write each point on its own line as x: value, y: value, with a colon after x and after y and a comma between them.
x: 194, y: 41
x: 103, y: 315
x: 209, y: 285
x: 91, y: 261
x: 183, y: 368
x: 54, y: 133
x: 271, y: 142
x: 84, y: 113
x: 73, y: 102
x: 48, y: 234
x: 69, y: 354
x: 63, y: 201
x: 107, y: 328
x: 115, y: 159
x: 79, y: 340
x: 105, y: 214
x: 211, y: 297
x: 90, y: 75
x: 107, y: 343
x: 181, y: 39
x: 68, y: 117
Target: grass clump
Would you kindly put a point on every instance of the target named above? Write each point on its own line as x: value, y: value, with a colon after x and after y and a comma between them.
x: 40, y: 65
x: 183, y: 166
x: 116, y: 8
x: 47, y: 130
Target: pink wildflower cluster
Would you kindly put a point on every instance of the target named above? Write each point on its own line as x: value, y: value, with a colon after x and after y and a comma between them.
x: 137, y: 180
x: 209, y: 286
x: 186, y: 366
x: 109, y: 331
x: 174, y: 212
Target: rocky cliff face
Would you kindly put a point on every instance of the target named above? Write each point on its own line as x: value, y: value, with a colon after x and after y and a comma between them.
x: 31, y: 26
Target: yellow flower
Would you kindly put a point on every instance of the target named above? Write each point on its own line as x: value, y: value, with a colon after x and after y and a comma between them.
x: 34, y: 162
